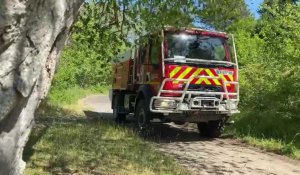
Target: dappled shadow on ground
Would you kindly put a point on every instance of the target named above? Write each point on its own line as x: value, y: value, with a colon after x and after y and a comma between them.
x: 43, y: 123
x: 159, y: 132
x: 200, y: 155
x: 92, y: 115
x: 33, y: 139
x: 93, y: 143
x: 168, y: 137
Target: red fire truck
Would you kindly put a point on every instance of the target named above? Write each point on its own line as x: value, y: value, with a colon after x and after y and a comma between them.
x: 179, y: 75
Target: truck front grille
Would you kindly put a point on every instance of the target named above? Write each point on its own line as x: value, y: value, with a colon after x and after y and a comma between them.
x: 204, y: 88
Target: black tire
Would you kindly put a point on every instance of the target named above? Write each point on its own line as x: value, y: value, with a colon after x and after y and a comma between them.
x: 142, y: 115
x: 119, y: 117
x: 211, y: 129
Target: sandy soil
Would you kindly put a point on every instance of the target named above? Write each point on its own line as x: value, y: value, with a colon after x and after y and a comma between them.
x: 203, y: 156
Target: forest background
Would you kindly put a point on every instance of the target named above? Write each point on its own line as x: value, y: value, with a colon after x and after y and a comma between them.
x: 268, y: 51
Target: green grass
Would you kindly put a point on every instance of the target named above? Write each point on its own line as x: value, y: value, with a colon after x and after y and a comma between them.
x: 64, y: 143
x: 272, y: 132
x: 60, y: 97
x: 275, y: 146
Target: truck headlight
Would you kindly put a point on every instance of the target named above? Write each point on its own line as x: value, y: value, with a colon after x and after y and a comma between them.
x: 165, y: 103
x: 231, y: 105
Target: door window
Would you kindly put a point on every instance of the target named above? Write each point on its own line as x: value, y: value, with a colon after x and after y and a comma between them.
x: 155, y: 49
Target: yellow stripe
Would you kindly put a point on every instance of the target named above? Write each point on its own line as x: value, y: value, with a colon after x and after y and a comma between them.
x: 200, y: 80
x: 230, y: 77
x: 206, y: 81
x: 217, y: 82
x: 222, y: 76
x: 197, y: 72
x: 174, y: 71
x: 185, y: 72
x: 194, y: 74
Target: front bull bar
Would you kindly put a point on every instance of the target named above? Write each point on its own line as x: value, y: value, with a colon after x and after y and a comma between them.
x: 185, y: 92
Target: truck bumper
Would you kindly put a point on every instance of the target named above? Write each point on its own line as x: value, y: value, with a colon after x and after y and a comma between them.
x: 168, y: 105
x: 195, y: 100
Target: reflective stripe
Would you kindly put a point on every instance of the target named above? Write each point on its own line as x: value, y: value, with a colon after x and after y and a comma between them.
x: 230, y: 77
x: 197, y: 72
x: 216, y: 81
x: 174, y: 71
x: 200, y: 80
x: 223, y: 77
x: 185, y: 72
x: 181, y: 73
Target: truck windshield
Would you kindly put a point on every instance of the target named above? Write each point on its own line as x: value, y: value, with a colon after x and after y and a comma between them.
x: 196, y: 47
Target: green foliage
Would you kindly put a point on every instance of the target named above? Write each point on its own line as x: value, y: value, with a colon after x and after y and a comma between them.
x: 262, y: 125
x: 85, y: 62
x: 221, y: 14
x: 268, y: 51
x: 154, y: 15
x: 276, y: 75
x: 281, y: 33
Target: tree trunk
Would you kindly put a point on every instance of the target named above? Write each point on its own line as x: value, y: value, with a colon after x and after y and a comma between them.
x: 32, y: 34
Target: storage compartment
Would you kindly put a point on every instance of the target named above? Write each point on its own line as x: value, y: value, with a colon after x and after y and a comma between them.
x: 122, y: 72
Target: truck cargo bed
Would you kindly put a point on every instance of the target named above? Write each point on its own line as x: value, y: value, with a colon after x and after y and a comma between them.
x: 122, y: 75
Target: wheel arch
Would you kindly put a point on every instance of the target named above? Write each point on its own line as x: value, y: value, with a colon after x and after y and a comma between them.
x: 144, y: 92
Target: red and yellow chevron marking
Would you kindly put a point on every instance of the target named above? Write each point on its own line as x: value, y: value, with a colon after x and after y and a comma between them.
x: 185, y: 72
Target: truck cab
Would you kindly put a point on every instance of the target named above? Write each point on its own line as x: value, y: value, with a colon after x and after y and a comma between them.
x: 179, y: 75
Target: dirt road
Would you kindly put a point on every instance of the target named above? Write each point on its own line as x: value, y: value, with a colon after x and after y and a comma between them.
x: 202, y: 156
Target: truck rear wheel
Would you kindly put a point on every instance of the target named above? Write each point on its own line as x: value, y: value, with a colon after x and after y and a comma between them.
x: 142, y: 115
x: 211, y: 129
x: 119, y: 117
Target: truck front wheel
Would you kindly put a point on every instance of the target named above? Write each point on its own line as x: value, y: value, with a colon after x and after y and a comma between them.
x: 211, y: 129
x: 142, y: 115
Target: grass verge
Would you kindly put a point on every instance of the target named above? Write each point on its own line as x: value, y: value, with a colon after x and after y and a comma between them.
x: 65, y: 143
x: 62, y: 97
x: 274, y: 133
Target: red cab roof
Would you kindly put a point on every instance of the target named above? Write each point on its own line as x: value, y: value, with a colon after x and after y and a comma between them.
x: 196, y: 31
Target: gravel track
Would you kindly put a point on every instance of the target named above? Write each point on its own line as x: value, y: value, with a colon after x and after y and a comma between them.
x: 203, y: 156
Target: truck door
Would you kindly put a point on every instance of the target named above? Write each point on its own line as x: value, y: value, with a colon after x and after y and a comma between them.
x: 149, y: 67
x: 154, y: 66
x: 141, y: 64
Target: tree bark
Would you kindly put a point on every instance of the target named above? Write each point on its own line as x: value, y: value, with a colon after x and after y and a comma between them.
x: 32, y: 34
